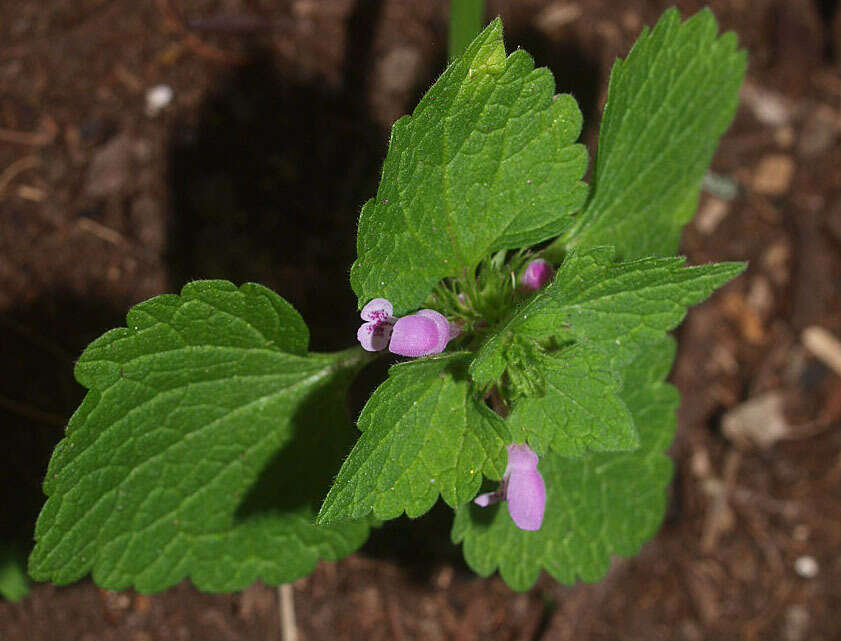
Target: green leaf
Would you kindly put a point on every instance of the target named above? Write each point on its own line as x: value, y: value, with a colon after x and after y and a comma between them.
x: 596, y: 300
x: 486, y: 161
x: 423, y: 433
x: 14, y: 584
x: 580, y: 409
x: 668, y: 104
x: 597, y: 507
x: 202, y: 449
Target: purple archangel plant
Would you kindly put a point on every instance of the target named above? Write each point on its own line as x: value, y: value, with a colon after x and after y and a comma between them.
x: 532, y: 312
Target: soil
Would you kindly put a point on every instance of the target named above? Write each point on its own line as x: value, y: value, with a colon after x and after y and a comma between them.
x: 256, y: 171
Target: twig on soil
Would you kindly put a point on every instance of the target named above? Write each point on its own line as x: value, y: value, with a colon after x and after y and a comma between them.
x: 288, y: 626
x: 49, y: 130
x: 824, y: 346
x: 394, y: 618
x: 32, y: 194
x: 445, y: 612
x: 758, y: 527
x: 191, y: 40
x: 17, y: 167
x: 115, y: 238
x: 101, y: 231
x: 751, y: 630
x: 719, y: 517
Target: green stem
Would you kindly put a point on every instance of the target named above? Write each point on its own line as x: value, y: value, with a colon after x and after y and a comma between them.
x: 466, y: 17
x: 351, y: 358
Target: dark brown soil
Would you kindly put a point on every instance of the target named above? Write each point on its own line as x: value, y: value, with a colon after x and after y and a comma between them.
x: 256, y: 171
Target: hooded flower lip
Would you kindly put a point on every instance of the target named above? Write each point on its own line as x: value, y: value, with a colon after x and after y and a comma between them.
x: 525, y: 491
x: 420, y: 334
x: 522, y: 487
x: 537, y: 273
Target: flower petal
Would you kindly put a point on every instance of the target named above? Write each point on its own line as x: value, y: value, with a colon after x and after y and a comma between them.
x: 526, y: 493
x: 415, y: 335
x: 377, y: 310
x: 441, y: 324
x: 374, y: 336
x: 521, y: 458
x: 488, y: 498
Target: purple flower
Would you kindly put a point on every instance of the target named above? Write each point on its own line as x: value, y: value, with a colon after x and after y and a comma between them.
x: 420, y: 334
x: 374, y: 335
x: 522, y: 486
x: 536, y: 275
x: 426, y: 332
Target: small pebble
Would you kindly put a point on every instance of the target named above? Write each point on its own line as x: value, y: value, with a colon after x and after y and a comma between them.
x: 158, y: 98
x: 712, y: 212
x: 806, y: 567
x: 800, y: 533
x: 773, y: 175
x: 719, y: 185
x: 769, y: 107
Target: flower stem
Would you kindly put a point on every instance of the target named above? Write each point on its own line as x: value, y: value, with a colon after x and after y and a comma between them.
x: 466, y: 17
x: 288, y: 626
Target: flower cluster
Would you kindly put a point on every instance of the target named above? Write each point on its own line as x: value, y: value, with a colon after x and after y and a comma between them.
x: 420, y: 334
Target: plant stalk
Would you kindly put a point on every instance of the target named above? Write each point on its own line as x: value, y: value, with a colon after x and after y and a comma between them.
x: 466, y: 18
x: 288, y: 626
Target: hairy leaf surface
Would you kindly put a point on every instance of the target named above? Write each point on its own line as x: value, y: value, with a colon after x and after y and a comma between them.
x: 486, y: 161
x: 594, y: 299
x: 201, y: 450
x: 580, y: 409
x: 423, y: 434
x: 668, y: 104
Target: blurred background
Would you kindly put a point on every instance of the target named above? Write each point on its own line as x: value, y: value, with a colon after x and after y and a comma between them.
x: 144, y: 144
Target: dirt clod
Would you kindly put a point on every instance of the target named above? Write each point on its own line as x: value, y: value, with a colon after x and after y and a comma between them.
x: 773, y: 175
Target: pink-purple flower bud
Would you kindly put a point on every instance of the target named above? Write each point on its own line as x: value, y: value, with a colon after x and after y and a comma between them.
x: 522, y: 487
x: 537, y: 273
